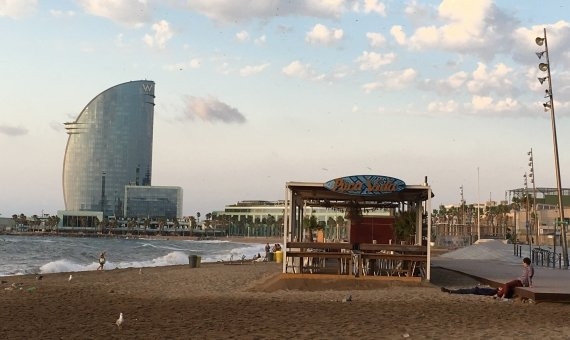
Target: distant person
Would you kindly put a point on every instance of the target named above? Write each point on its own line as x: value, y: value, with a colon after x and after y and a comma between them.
x: 489, y: 291
x: 525, y: 280
x: 101, y: 261
x: 267, y: 249
x: 277, y: 247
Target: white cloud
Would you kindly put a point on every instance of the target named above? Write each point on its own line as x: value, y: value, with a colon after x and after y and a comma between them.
x: 475, y: 27
x: 60, y: 14
x: 191, y: 64
x: 499, y: 79
x: 236, y: 11
x: 488, y: 104
x: 242, y: 36
x: 210, y: 109
x: 373, y: 6
x: 376, y: 39
x: 443, y: 107
x: 162, y: 33
x: 298, y: 70
x: 373, y: 61
x: 320, y: 34
x: 355, y: 108
x: 17, y: 8
x: 392, y: 80
x: 132, y: 13
x: 250, y: 70
x: 261, y: 40
x: 399, y: 35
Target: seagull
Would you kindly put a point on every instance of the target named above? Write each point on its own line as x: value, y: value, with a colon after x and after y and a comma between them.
x: 39, y: 277
x: 140, y: 271
x: 119, y: 321
x: 70, y: 277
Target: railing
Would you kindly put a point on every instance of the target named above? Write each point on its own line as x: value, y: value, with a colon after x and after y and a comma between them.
x: 540, y: 256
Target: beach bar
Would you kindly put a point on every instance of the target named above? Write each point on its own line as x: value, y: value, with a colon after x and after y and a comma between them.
x: 370, y: 248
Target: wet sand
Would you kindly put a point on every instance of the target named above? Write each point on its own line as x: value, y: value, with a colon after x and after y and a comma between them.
x: 226, y: 301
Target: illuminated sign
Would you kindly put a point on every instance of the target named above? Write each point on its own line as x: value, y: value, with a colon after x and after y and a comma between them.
x: 365, y: 185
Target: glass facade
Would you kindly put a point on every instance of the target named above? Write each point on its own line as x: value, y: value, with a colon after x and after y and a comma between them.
x: 109, y: 147
x: 153, y: 202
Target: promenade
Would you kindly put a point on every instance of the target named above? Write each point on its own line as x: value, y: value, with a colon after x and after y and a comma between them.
x: 492, y: 262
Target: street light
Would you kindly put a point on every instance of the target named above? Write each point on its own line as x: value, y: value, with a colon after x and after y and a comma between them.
x: 535, y: 220
x: 528, y: 238
x: 549, y: 106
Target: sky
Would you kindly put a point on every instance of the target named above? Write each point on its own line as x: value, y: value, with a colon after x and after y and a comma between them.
x: 251, y: 94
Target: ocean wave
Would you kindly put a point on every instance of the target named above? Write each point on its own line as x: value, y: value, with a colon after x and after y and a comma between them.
x: 64, y: 265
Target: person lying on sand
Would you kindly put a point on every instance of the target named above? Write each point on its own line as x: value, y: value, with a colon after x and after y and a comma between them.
x: 489, y: 291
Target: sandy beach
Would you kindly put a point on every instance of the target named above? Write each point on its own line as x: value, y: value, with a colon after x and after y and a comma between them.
x: 233, y: 301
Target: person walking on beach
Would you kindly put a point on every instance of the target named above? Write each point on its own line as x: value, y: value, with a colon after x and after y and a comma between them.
x: 101, y: 261
x: 525, y: 280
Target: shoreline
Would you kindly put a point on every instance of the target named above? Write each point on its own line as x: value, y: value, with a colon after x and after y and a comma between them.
x: 234, y: 239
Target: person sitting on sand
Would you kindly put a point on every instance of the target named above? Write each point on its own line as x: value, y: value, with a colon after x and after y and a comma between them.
x: 525, y: 280
x: 489, y: 291
x: 101, y: 261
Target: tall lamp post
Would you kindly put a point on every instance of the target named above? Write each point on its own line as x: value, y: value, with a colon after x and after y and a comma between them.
x: 535, y: 221
x: 549, y: 106
x: 528, y: 237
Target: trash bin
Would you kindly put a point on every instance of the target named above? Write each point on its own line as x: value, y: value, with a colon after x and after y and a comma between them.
x: 194, y: 261
x: 279, y: 256
x: 270, y: 257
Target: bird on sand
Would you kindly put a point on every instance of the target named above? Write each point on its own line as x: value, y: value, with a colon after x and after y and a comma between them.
x: 140, y: 271
x: 119, y: 321
x: 39, y: 277
x: 70, y: 277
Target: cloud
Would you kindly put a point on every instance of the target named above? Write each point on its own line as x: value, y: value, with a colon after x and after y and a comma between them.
x: 375, y: 39
x: 162, y: 33
x: 443, y: 107
x: 60, y: 14
x: 260, y: 40
x: 418, y: 14
x: 251, y: 70
x: 373, y: 60
x: 133, y: 13
x: 373, y: 6
x: 210, y: 109
x: 231, y: 11
x: 242, y: 36
x: 486, y: 103
x: 392, y: 80
x: 471, y: 27
x: 16, y: 9
x: 399, y: 35
x: 499, y: 79
x: 320, y: 34
x: 13, y: 130
x: 191, y: 64
x: 298, y: 69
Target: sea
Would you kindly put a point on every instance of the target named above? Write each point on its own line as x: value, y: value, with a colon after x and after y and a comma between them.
x: 21, y: 255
